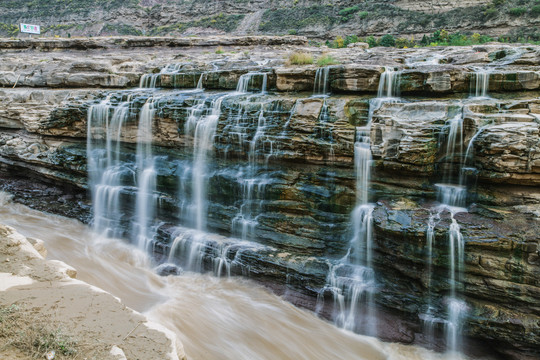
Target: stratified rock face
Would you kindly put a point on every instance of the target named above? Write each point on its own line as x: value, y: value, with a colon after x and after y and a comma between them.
x: 279, y: 174
x: 499, y: 289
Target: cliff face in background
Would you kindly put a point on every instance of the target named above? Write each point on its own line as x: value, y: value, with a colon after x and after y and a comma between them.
x: 319, y: 19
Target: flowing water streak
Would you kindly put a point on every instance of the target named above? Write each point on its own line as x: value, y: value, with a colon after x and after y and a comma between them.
x: 149, y: 81
x: 321, y: 83
x: 247, y: 81
x: 480, y: 83
x: 106, y: 170
x: 201, y: 79
x: 202, y: 123
x: 201, y: 252
x: 389, y: 84
x: 353, y: 290
x: 456, y: 307
x: 429, y: 318
x: 252, y: 184
x: 146, y: 201
x: 452, y: 195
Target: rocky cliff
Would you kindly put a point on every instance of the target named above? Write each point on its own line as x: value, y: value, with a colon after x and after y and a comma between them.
x: 317, y: 19
x: 280, y: 167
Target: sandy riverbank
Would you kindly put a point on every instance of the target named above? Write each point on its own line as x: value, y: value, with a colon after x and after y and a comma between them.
x: 43, y: 308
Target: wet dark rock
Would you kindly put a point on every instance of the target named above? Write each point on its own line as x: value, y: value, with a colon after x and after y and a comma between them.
x: 167, y: 269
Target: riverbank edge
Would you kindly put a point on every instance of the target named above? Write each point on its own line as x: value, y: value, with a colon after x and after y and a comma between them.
x: 48, y: 292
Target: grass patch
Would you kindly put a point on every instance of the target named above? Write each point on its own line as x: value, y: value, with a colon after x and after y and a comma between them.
x: 299, y: 58
x: 517, y: 11
x: 326, y: 60
x: 19, y: 330
x: 34, y: 335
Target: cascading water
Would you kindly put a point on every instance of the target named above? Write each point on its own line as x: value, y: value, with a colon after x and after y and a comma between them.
x: 248, y: 81
x: 150, y: 81
x: 480, y: 83
x: 252, y: 184
x: 452, y: 195
x: 321, y: 86
x: 200, y: 82
x: 351, y: 280
x: 146, y: 201
x: 389, y: 84
x: 201, y: 125
x: 106, y: 170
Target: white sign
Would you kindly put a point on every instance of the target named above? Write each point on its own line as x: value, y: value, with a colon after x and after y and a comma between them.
x: 31, y: 29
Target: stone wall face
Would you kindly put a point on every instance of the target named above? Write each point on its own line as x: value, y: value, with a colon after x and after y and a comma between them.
x: 306, y: 155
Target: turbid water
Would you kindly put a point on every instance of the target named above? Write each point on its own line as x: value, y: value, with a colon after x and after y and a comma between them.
x: 215, y: 318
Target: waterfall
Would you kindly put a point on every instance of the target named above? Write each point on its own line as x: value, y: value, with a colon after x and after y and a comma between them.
x: 452, y: 196
x: 200, y: 82
x: 201, y: 124
x: 389, y: 84
x: 146, y: 200
x: 247, y: 81
x: 149, y: 81
x: 252, y: 184
x: 105, y: 168
x: 480, y: 83
x: 456, y: 307
x: 321, y: 83
x: 201, y: 252
x: 351, y: 280
x: 429, y: 318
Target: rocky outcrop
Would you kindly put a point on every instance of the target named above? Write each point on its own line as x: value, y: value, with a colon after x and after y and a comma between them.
x: 145, y: 42
x: 501, y: 265
x: 88, y: 315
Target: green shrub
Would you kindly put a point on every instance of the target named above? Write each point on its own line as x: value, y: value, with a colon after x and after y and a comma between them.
x: 517, y: 11
x: 535, y: 10
x: 404, y: 43
x: 490, y: 12
x: 351, y: 39
x: 299, y: 58
x: 363, y: 14
x: 372, y: 42
x: 339, y: 42
x: 326, y: 60
x: 293, y: 32
x: 387, y: 41
x: 349, y: 11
